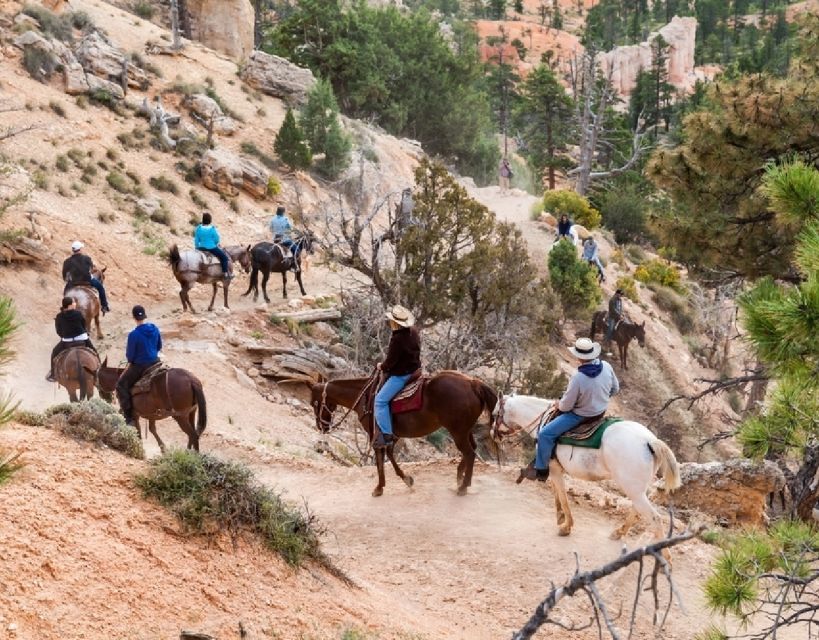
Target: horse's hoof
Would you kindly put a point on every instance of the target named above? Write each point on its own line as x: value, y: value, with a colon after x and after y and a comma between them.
x: 461, y: 491
x: 378, y: 491
x: 408, y: 481
x: 564, y: 531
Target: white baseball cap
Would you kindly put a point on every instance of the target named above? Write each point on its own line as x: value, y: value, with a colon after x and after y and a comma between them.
x: 76, y: 245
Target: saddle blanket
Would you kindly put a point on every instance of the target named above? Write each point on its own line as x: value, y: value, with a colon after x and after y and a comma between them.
x: 410, y: 398
x: 64, y: 354
x: 588, y: 434
x: 143, y: 385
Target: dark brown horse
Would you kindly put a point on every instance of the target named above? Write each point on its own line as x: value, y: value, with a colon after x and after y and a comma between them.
x: 176, y: 394
x: 451, y: 400
x: 268, y: 257
x: 190, y: 267
x: 76, y: 370
x: 623, y: 334
x: 88, y: 301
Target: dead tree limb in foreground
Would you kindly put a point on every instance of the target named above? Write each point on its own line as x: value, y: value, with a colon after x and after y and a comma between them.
x: 585, y: 583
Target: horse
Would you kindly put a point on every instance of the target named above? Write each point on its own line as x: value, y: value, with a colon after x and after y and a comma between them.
x: 76, y: 370
x: 629, y: 454
x: 267, y: 257
x: 451, y: 400
x: 88, y: 301
x: 624, y: 332
x: 174, y: 393
x: 191, y: 266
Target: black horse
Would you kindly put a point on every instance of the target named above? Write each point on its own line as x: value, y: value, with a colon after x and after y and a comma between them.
x: 267, y: 257
x: 623, y: 334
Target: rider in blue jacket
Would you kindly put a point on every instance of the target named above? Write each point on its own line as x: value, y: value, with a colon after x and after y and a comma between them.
x: 206, y: 238
x: 142, y: 352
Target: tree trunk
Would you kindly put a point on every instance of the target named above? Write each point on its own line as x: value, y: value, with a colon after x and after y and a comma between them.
x: 185, y: 19
x: 805, y: 486
x: 177, y: 42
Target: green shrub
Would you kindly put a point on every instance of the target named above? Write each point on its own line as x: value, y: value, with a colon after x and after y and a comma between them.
x: 39, y: 64
x: 57, y: 108
x: 144, y: 10
x: 573, y: 279
x: 118, y: 182
x: 629, y: 287
x: 438, y: 438
x: 104, y: 98
x: 660, y: 272
x: 209, y: 495
x: 636, y: 253
x: 573, y: 205
x: 40, y: 180
x: 61, y: 163
x: 536, y: 209
x: 30, y: 418
x: 198, y: 200
x: 677, y: 306
x: 251, y: 149
x: 161, y: 183
x: 59, y: 27
x: 623, y: 212
x: 96, y: 421
x: 274, y: 187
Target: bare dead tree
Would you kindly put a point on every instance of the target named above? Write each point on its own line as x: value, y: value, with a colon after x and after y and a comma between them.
x: 585, y: 583
x: 177, y: 40
x: 717, y: 386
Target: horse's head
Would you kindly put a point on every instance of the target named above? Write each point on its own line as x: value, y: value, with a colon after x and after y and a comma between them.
x: 244, y: 258
x: 98, y: 273
x: 322, y: 409
x: 498, y: 425
x: 640, y: 332
x: 107, y: 378
x: 306, y: 240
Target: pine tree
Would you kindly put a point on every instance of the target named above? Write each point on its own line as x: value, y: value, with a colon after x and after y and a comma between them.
x: 337, y: 146
x: 290, y: 144
x: 319, y: 122
x: 9, y: 462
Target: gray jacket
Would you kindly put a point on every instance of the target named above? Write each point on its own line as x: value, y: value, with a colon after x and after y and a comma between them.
x: 587, y: 396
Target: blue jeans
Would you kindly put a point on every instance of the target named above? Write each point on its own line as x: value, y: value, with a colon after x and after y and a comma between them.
x: 392, y: 387
x: 610, y: 328
x: 101, y: 291
x: 596, y: 262
x: 219, y: 253
x: 548, y: 435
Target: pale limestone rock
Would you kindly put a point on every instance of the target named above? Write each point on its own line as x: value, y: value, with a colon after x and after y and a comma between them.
x: 207, y: 108
x: 226, y: 173
x: 95, y: 83
x: 223, y: 25
x: 101, y: 58
x: 277, y: 77
x: 254, y: 178
x: 734, y: 491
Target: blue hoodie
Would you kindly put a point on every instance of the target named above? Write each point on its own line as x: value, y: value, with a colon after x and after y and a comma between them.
x: 144, y: 344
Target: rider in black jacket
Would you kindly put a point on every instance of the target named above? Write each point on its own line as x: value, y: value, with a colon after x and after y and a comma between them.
x: 70, y: 326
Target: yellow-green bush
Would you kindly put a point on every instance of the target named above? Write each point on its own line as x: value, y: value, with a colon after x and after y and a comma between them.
x: 660, y: 272
x: 573, y: 205
x: 629, y: 287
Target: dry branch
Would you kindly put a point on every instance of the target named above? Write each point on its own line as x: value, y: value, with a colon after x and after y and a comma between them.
x: 311, y: 315
x: 585, y: 583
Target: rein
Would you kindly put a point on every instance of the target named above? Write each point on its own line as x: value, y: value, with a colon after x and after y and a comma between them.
x: 496, y: 434
x: 323, y: 403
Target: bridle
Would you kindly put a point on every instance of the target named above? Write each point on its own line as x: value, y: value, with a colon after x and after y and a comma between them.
x: 501, y: 430
x: 323, y: 405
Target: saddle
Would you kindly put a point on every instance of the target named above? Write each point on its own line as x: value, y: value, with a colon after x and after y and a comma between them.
x: 207, y: 259
x: 588, y: 433
x: 64, y: 354
x: 143, y: 385
x: 85, y: 286
x: 411, y: 397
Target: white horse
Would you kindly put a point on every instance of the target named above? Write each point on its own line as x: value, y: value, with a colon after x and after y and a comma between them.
x: 629, y: 454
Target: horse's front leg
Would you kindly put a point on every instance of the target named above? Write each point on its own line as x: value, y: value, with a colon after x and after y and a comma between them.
x: 226, y: 286
x: 265, y: 278
x: 561, y: 499
x: 284, y: 284
x: 213, y: 297
x: 301, y: 286
x: 398, y: 471
x: 152, y: 429
x: 379, y: 465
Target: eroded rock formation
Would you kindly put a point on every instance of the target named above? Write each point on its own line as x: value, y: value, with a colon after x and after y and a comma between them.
x: 277, y: 77
x: 227, y: 173
x: 223, y: 25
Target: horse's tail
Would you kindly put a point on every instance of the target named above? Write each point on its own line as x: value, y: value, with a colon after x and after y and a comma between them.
x: 254, y: 277
x: 80, y: 374
x: 666, y: 464
x: 174, y: 257
x: 199, y: 394
x: 487, y: 396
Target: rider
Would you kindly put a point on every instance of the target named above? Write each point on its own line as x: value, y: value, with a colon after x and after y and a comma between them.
x: 403, y: 359
x: 281, y: 227
x: 142, y: 352
x: 70, y: 326
x: 77, y: 271
x: 592, y: 256
x: 564, y: 226
x: 615, y: 314
x: 586, y: 397
x: 206, y: 238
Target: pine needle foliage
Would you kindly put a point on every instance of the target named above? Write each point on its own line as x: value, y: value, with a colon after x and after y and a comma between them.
x: 574, y: 281
x: 290, y: 145
x: 10, y: 463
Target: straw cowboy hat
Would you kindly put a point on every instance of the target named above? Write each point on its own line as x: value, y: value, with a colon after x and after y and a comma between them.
x: 401, y: 316
x: 585, y: 349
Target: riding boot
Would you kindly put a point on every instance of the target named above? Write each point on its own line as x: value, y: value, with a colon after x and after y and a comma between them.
x: 530, y: 473
x: 383, y: 440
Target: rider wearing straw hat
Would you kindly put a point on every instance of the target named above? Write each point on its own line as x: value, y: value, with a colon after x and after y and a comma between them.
x: 403, y: 359
x: 586, y: 398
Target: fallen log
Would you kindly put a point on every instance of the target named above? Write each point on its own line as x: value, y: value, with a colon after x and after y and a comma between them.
x: 310, y: 315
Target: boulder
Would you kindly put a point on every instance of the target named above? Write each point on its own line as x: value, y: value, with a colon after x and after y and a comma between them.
x: 206, y: 108
x: 95, y: 83
x: 223, y: 25
x: 226, y: 173
x: 26, y: 21
x: 102, y: 59
x: 277, y: 77
x: 75, y: 80
x: 734, y: 492
x: 548, y: 218
x: 33, y: 39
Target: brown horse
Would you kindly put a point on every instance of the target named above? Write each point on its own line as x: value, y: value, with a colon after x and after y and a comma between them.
x: 88, y: 301
x: 76, y: 370
x: 190, y: 267
x: 451, y: 400
x: 623, y: 334
x: 175, y: 393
